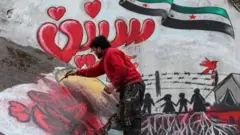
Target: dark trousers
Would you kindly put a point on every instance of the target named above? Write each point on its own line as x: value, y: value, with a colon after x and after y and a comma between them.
x: 131, y: 100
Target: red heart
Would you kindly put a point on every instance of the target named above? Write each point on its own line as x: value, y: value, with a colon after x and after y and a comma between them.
x: 46, y: 38
x: 40, y: 118
x: 59, y: 122
x: 40, y: 97
x: 19, y: 111
x: 56, y: 12
x: 92, y: 8
x: 88, y: 59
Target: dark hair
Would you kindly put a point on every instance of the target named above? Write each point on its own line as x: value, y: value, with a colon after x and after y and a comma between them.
x: 101, y: 42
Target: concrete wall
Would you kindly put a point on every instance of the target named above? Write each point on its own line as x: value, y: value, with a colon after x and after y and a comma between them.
x: 164, y: 49
x: 167, y: 50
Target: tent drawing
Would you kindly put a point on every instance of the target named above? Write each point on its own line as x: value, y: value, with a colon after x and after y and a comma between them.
x: 228, y: 99
x: 228, y: 90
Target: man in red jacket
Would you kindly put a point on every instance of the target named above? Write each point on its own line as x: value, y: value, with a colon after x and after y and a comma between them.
x: 124, y: 78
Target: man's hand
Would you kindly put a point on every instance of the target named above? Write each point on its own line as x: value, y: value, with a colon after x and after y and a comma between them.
x: 109, y: 88
x: 71, y: 73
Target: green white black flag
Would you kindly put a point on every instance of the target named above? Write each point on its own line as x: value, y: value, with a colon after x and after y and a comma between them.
x: 181, y: 17
x: 148, y: 7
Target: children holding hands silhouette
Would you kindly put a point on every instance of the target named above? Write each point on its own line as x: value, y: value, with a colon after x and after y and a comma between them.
x: 183, y: 103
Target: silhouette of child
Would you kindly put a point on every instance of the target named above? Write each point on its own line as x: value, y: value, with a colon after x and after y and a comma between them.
x: 198, y: 101
x: 147, y: 103
x: 183, y: 103
x: 168, y: 105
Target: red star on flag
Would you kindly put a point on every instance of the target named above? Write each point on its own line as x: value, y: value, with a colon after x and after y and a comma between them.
x: 145, y: 5
x: 193, y: 17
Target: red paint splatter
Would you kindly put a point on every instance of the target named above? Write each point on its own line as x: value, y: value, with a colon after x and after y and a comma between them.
x: 211, y: 65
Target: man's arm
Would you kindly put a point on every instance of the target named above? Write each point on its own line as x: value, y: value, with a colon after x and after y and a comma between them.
x: 120, y: 70
x: 94, y: 71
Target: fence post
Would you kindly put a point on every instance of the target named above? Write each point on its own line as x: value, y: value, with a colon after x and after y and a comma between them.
x: 158, y: 87
x: 216, y: 78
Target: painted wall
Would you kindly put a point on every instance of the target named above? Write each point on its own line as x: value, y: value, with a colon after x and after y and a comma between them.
x: 180, y: 53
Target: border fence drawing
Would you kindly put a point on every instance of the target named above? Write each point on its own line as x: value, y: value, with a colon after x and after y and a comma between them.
x: 186, y: 78
x: 220, y: 117
x: 181, y: 84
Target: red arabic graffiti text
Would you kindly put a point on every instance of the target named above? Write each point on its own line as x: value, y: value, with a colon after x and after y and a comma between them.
x: 74, y: 31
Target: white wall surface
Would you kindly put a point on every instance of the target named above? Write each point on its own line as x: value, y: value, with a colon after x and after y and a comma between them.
x: 167, y: 50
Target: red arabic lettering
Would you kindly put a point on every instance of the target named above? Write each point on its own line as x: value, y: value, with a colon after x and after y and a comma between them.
x: 46, y: 38
x: 147, y: 31
x: 91, y: 33
x: 121, y: 33
x: 104, y: 28
x: 123, y: 37
x: 74, y: 31
x: 136, y: 35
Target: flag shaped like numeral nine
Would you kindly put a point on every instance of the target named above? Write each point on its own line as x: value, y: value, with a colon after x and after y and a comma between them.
x: 182, y: 17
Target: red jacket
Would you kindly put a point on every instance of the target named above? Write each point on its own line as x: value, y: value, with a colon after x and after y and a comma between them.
x: 118, y: 67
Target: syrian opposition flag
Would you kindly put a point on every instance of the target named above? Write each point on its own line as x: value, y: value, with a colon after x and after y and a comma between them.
x: 201, y: 18
x: 148, y: 7
x: 181, y: 17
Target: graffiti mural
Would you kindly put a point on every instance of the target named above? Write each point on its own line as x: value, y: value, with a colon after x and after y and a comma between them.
x: 66, y: 111
x: 191, y: 112
x: 126, y: 33
x: 183, y: 50
x: 181, y: 17
x: 194, y: 114
x: 197, y: 123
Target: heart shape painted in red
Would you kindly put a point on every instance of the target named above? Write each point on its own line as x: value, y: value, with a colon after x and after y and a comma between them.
x: 50, y: 121
x: 19, y: 111
x: 88, y: 59
x: 56, y: 12
x: 92, y: 8
x: 46, y: 38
